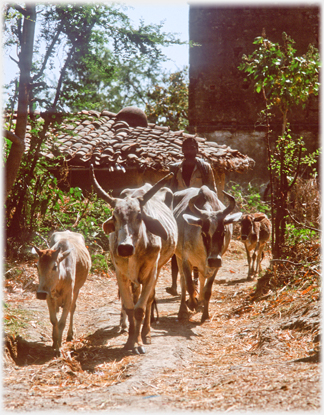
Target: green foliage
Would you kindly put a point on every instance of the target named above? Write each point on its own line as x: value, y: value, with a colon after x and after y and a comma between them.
x: 286, y: 80
x: 105, y: 62
x: 38, y: 205
x: 295, y: 235
x: 168, y: 101
x: 248, y: 199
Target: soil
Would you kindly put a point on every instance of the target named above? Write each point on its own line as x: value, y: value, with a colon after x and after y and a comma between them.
x: 248, y: 357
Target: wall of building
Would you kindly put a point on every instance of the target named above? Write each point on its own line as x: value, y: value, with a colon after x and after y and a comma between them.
x: 224, y: 108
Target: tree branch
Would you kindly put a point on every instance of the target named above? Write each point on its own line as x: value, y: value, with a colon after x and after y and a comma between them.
x: 20, y: 142
x: 301, y: 224
x: 48, y: 53
x: 20, y: 9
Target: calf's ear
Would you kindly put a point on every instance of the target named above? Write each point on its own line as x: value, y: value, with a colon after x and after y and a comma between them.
x: 35, y: 250
x: 192, y: 220
x: 108, y: 226
x: 235, y: 217
x: 259, y: 217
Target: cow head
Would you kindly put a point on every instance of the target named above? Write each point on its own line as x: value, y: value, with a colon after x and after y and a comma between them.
x: 129, y: 215
x: 48, y: 269
x: 213, y: 228
x: 248, y: 224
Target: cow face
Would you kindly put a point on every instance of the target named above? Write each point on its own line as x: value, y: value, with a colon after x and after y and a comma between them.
x: 248, y: 222
x: 213, y: 232
x: 127, y: 222
x: 48, y: 270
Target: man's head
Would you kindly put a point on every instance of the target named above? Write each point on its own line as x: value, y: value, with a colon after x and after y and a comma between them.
x: 190, y: 148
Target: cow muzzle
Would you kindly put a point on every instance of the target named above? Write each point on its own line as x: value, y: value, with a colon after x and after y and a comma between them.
x: 125, y: 250
x: 214, y: 262
x: 41, y: 295
x: 244, y: 237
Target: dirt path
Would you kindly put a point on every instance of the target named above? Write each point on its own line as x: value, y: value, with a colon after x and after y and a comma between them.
x: 243, y: 359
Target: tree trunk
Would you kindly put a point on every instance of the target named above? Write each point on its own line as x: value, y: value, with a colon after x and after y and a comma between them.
x: 25, y: 63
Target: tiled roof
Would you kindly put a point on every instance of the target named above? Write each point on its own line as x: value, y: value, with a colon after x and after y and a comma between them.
x: 102, y: 140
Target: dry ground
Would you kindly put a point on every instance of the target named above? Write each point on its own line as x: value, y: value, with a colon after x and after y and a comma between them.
x: 249, y: 357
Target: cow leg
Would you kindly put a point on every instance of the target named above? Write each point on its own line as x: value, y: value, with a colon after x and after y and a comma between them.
x: 183, y: 310
x: 123, y: 318
x: 62, y: 321
x: 207, y: 294
x: 191, y: 287
x: 258, y: 268
x: 143, y: 310
x: 174, y: 274
x: 51, y: 303
x: 249, y: 262
x: 201, y: 288
x: 131, y: 329
x: 146, y: 329
x: 72, y: 310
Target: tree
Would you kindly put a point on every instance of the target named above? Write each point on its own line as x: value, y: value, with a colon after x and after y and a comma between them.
x: 26, y: 18
x: 93, y: 43
x: 285, y: 80
x: 167, y: 102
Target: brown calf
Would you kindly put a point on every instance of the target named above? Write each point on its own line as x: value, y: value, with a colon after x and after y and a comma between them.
x: 255, y: 232
x: 62, y: 271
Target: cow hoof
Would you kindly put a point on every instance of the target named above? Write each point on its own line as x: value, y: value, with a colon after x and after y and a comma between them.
x: 171, y: 291
x: 139, y: 350
x: 192, y: 305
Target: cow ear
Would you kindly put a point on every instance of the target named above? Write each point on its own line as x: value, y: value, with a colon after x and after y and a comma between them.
x: 260, y: 217
x: 35, y: 250
x: 192, y: 220
x: 108, y: 226
x: 63, y: 255
x: 155, y: 227
x: 235, y: 217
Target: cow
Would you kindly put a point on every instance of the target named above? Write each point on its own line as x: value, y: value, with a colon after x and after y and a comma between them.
x: 142, y: 238
x: 204, y: 232
x: 255, y: 232
x: 62, y: 271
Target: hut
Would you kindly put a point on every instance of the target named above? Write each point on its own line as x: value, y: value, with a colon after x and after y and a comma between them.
x: 127, y: 151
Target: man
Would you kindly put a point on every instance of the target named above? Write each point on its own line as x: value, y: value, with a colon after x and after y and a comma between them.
x: 192, y: 171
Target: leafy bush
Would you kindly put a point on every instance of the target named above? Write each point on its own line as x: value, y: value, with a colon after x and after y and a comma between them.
x: 248, y: 199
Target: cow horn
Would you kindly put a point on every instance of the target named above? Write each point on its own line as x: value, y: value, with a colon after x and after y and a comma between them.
x: 101, y: 193
x: 231, y: 206
x: 194, y: 209
x: 154, y: 189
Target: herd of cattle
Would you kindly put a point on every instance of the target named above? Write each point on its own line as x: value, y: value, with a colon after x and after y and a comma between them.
x: 147, y: 227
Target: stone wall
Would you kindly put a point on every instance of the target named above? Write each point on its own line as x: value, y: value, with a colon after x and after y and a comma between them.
x: 224, y: 108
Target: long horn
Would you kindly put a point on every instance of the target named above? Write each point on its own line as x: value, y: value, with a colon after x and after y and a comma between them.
x: 231, y: 206
x: 100, y: 191
x: 194, y: 209
x: 154, y: 189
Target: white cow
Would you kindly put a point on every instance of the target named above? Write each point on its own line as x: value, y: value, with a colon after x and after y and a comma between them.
x: 142, y: 238
x: 205, y: 229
